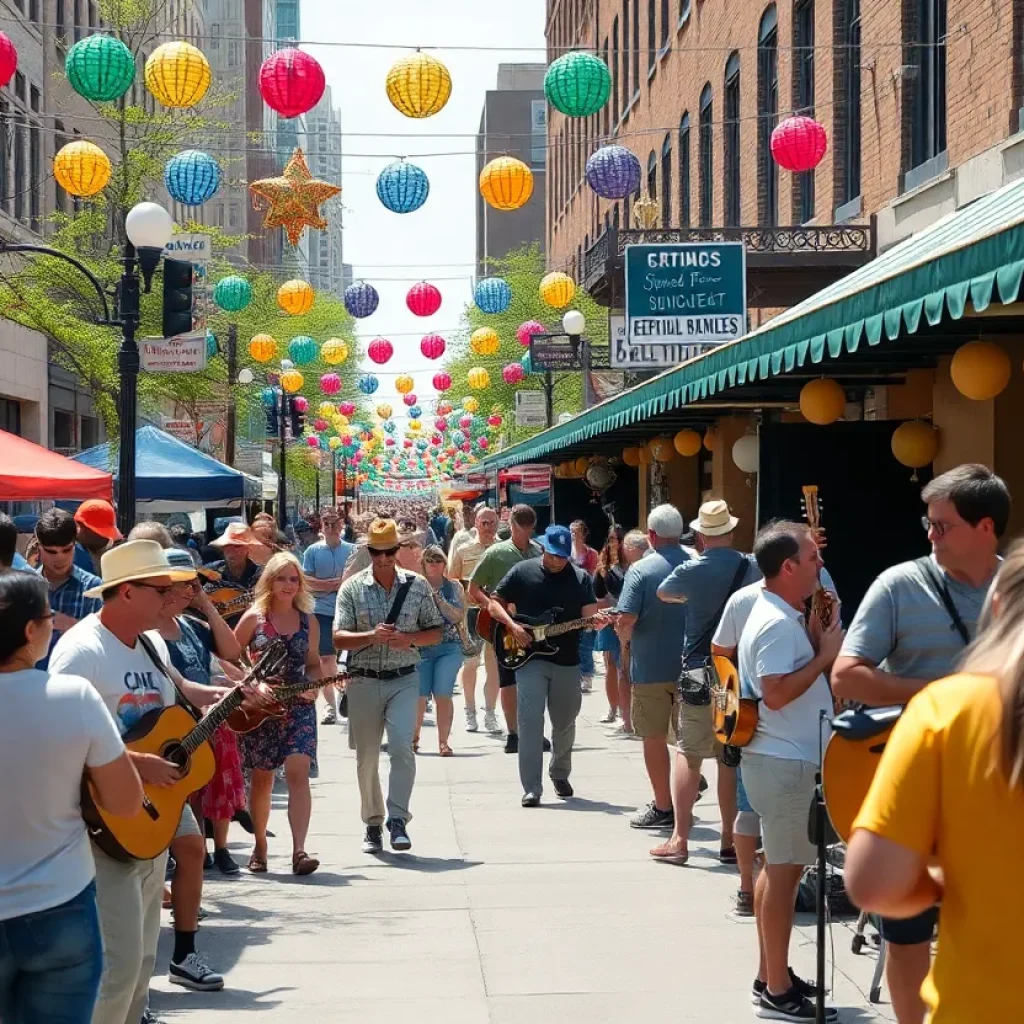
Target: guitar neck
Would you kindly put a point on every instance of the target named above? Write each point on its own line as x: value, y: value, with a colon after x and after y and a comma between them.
x: 216, y: 717
x: 284, y: 692
x: 568, y: 627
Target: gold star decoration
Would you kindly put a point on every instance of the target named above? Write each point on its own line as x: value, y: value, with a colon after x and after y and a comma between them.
x: 294, y: 198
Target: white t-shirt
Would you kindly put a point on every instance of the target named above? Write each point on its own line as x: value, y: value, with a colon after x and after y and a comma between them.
x: 774, y: 642
x: 51, y: 728
x: 125, y: 677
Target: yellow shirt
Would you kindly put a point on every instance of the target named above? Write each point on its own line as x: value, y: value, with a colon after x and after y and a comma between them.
x: 940, y: 788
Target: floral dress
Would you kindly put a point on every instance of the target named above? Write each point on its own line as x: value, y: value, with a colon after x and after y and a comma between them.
x: 265, y: 748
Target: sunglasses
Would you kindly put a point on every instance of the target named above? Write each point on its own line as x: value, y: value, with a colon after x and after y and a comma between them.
x: 383, y: 553
x: 162, y: 591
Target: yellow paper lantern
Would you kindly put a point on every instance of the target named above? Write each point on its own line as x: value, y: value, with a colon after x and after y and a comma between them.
x: 178, y: 74
x: 334, y: 351
x: 418, y: 85
x: 404, y: 384
x: 341, y: 422
x: 644, y: 455
x: 415, y: 426
x: 81, y: 168
x: 980, y: 370
x: 822, y: 401
x: 687, y: 442
x: 662, y: 449
x: 581, y: 465
x: 327, y: 410
x: 915, y: 444
x: 292, y: 381
x: 506, y: 183
x: 478, y: 378
x: 334, y: 443
x: 631, y: 456
x: 710, y: 439
x: 470, y: 404
x: 262, y: 348
x: 295, y: 297
x: 384, y: 411
x: 484, y: 341
x: 377, y: 433
x: 557, y: 289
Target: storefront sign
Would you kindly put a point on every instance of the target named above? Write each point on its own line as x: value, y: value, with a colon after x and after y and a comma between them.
x: 190, y: 247
x: 531, y: 409
x: 184, y: 354
x: 562, y: 352
x: 686, y: 293
x: 183, y: 430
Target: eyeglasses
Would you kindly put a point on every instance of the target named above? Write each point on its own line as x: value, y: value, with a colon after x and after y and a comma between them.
x: 383, y: 552
x: 941, y: 528
x: 162, y: 591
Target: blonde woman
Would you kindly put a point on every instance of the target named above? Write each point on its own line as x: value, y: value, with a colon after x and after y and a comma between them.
x: 282, y: 609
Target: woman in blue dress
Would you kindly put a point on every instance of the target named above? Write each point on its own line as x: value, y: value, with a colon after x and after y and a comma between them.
x: 608, y: 578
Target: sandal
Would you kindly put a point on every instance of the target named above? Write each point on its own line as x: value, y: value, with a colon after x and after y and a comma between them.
x: 445, y: 751
x: 303, y: 864
x: 257, y: 864
x: 416, y: 745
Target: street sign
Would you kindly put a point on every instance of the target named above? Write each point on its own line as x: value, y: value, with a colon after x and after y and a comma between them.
x: 191, y: 247
x: 562, y: 352
x: 686, y: 293
x: 184, y: 354
x: 531, y: 409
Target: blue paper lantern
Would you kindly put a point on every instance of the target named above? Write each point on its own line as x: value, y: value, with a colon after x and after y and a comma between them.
x: 368, y: 384
x: 458, y: 437
x: 421, y: 445
x: 402, y: 187
x: 361, y: 299
x: 302, y: 349
x: 269, y: 397
x: 613, y: 172
x: 415, y: 412
x: 389, y: 426
x: 211, y: 344
x: 192, y: 177
x: 232, y: 293
x: 493, y: 295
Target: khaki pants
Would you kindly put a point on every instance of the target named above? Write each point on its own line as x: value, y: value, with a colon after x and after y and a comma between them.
x: 373, y: 706
x: 128, y: 897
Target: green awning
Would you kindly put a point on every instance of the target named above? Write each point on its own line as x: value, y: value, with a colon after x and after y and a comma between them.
x: 976, y: 253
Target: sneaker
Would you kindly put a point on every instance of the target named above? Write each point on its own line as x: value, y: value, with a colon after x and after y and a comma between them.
x: 512, y: 743
x: 546, y: 745
x: 193, y: 972
x: 373, y: 841
x: 610, y: 716
x: 790, y: 1005
x: 149, y: 1017
x: 471, y: 725
x: 314, y: 770
x: 491, y: 722
x: 208, y: 861
x: 399, y: 837
x: 562, y: 787
x: 586, y: 684
x: 805, y: 988
x: 701, y: 788
x: 429, y: 709
x: 225, y: 862
x: 744, y: 907
x: 330, y: 716
x: 727, y: 855
x: 531, y: 800
x: 651, y: 817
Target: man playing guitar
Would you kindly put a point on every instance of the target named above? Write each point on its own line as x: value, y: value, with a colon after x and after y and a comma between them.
x: 905, y: 635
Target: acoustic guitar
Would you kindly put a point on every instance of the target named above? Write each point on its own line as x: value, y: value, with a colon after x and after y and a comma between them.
x: 249, y: 717
x: 509, y: 653
x: 228, y: 599
x: 735, y: 717
x: 174, y: 735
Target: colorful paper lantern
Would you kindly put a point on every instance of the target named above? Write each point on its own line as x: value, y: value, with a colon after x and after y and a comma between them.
x: 292, y: 381
x: 494, y: 420
x: 334, y: 351
x: 915, y: 444
x: 409, y: 398
x: 384, y: 411
x: 367, y: 383
x: 81, y: 168
x: 687, y: 443
x: 662, y: 449
x: 302, y: 349
x: 746, y: 453
x: 211, y: 344
x: 442, y: 382
x: 313, y: 442
x: 8, y: 59
x: 361, y: 299
x: 710, y: 439
x: 506, y: 183
x: 557, y: 289
x: 330, y: 383
x: 404, y: 384
x: 613, y: 172
x: 470, y: 404
x: 440, y: 424
x: 291, y: 82
x: 980, y: 370
x: 100, y: 68
x: 347, y: 408
x: 380, y: 350
x: 822, y: 401
x: 527, y: 330
x: 631, y: 456
x: 293, y: 198
x: 295, y: 297
x: 492, y: 295
x: 415, y: 412
x: 192, y: 177
x: 262, y: 348
x: 432, y: 346
x: 320, y: 425
x: 418, y: 85
x: 478, y: 378
x: 484, y: 341
x: 402, y: 187
x: 178, y: 74
x: 799, y: 143
x: 415, y: 425
x: 232, y: 293
x: 423, y: 299
x: 578, y: 84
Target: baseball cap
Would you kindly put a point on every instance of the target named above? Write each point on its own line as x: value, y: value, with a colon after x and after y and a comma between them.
x: 98, y: 515
x: 665, y: 521
x: 557, y: 540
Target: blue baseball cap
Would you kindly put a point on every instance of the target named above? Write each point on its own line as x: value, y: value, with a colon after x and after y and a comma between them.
x: 557, y: 540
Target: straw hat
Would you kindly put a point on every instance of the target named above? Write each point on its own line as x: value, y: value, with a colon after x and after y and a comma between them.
x: 136, y: 560
x: 714, y: 519
x: 382, y: 535
x: 238, y: 534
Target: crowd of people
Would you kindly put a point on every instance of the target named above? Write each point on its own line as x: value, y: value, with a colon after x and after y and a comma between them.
x: 381, y: 614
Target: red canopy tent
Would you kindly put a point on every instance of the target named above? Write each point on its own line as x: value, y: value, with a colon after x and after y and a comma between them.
x: 31, y: 473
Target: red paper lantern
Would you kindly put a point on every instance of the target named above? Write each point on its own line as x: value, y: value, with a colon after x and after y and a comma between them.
x: 300, y: 403
x: 291, y: 82
x: 8, y: 60
x: 444, y: 407
x: 513, y: 373
x: 441, y: 424
x: 347, y: 408
x: 409, y: 399
x: 483, y: 443
x: 799, y: 143
x: 494, y: 421
x: 380, y: 350
x: 346, y: 440
x: 407, y: 443
x: 423, y: 299
x: 466, y: 446
x: 320, y: 426
x: 432, y: 346
x: 436, y: 440
x: 526, y: 331
x: 330, y: 383
x: 442, y: 382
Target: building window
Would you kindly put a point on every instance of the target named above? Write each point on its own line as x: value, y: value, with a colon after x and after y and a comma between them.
x: 636, y: 43
x: 665, y: 6
x: 652, y: 175
x: 652, y: 34
x: 90, y: 432
x: 61, y: 27
x: 10, y: 416
x: 616, y: 57
x: 803, y: 88
x: 850, y: 109
x: 538, y: 134
x: 928, y: 102
x: 666, y: 182
x: 626, y: 87
x: 706, y: 156
x: 767, y: 115
x: 60, y: 197
x: 684, y: 171
x: 78, y: 20
x: 63, y: 429
x: 732, y: 140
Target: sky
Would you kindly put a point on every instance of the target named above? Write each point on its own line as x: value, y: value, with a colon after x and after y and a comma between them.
x: 436, y: 243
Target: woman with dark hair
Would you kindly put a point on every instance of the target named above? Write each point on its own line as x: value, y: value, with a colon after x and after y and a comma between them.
x: 585, y: 558
x: 611, y: 571
x: 54, y: 729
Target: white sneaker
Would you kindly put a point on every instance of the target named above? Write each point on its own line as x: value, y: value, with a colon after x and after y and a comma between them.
x: 586, y: 684
x: 610, y: 716
x: 471, y: 725
x: 193, y: 972
x: 491, y: 722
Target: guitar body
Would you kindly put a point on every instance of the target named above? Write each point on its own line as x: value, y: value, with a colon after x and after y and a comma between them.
x: 734, y: 717
x: 228, y: 598
x: 147, y: 834
x: 485, y: 626
x: 246, y: 719
x: 507, y: 651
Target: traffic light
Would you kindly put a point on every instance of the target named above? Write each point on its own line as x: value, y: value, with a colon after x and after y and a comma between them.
x: 298, y: 416
x: 177, y: 306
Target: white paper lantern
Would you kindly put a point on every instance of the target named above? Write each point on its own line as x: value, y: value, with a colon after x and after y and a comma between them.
x: 245, y: 375
x: 746, y: 453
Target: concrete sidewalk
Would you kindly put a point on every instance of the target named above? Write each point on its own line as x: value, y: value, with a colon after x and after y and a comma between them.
x: 499, y: 914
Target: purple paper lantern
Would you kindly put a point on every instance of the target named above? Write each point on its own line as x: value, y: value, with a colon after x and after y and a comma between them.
x: 361, y: 299
x: 613, y: 172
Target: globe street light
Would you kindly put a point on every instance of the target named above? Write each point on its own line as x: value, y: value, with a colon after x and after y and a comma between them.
x: 574, y: 323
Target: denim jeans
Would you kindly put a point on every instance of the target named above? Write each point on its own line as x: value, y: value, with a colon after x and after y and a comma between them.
x: 51, y: 963
x: 587, y: 640
x: 439, y: 668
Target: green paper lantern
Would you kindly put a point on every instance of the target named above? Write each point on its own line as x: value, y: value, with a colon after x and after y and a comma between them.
x: 232, y: 293
x: 302, y: 349
x: 100, y: 68
x: 578, y: 84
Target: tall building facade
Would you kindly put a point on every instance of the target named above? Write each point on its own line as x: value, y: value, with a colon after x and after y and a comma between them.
x: 513, y: 122
x: 323, y: 140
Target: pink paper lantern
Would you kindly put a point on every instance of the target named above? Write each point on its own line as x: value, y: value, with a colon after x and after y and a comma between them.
x: 301, y: 404
x: 441, y: 424
x: 346, y: 440
x: 8, y: 60
x: 494, y: 421
x: 799, y: 143
x: 513, y: 373
x: 435, y: 441
x: 527, y: 330
x: 407, y: 443
x: 390, y: 442
x: 313, y: 442
x: 291, y: 82
x: 483, y: 443
x: 444, y: 407
x: 380, y: 350
x: 320, y: 426
x: 465, y: 422
x: 466, y: 446
x: 442, y: 382
x: 409, y: 399
x: 347, y: 408
x: 423, y: 299
x: 330, y: 383
x: 432, y: 346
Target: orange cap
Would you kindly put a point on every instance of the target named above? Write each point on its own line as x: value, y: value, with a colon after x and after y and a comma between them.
x: 98, y: 515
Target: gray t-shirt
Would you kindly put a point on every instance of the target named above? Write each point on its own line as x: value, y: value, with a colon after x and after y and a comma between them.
x: 703, y: 584
x: 902, y: 625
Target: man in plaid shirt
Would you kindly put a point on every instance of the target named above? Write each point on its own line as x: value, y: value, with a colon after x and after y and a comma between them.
x: 56, y: 532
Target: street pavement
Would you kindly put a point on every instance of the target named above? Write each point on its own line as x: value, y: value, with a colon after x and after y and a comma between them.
x: 499, y: 915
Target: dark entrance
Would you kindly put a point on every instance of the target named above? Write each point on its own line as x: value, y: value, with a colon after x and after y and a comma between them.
x: 870, y: 508
x: 573, y: 499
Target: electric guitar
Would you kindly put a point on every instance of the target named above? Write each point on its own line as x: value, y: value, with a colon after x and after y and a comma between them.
x: 734, y: 717
x: 509, y: 653
x: 173, y: 734
x: 248, y: 717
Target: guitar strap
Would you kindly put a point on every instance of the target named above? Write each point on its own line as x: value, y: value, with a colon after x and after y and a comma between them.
x: 396, y: 606
x: 942, y: 589
x: 147, y: 646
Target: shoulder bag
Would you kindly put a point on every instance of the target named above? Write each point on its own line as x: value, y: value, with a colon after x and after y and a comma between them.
x: 941, y: 588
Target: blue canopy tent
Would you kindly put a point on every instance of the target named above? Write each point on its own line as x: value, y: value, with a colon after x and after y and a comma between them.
x: 171, y: 476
